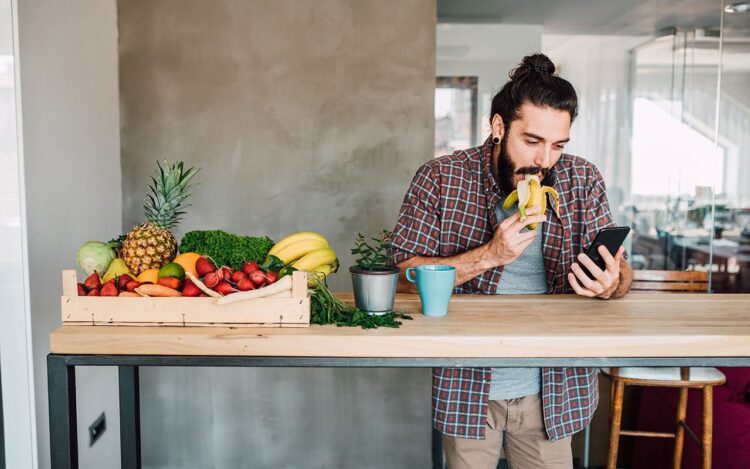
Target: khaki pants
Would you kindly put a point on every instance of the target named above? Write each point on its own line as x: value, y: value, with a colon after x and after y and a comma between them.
x: 517, y: 425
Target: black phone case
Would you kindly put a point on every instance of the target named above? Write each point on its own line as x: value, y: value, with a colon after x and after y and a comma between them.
x: 612, y: 238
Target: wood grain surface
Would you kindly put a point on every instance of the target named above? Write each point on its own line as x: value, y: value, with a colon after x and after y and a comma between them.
x: 639, y: 325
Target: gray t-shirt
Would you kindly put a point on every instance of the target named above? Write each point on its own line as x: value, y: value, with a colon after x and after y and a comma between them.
x: 525, y: 275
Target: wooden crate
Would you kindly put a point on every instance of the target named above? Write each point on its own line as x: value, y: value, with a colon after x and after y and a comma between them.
x: 184, y: 311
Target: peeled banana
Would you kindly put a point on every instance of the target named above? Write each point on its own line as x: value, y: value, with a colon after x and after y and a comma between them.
x: 530, y: 192
x: 295, y: 238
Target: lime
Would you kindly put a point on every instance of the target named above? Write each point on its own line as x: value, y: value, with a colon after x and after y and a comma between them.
x: 172, y: 269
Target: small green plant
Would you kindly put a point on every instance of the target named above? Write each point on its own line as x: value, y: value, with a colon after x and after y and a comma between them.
x: 376, y: 256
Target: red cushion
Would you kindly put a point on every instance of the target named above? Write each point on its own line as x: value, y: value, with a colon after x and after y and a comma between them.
x: 737, y: 380
x: 731, y: 427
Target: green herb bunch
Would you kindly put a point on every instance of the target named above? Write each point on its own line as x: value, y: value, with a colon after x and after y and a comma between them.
x: 227, y: 248
x: 373, y: 257
x: 327, y: 309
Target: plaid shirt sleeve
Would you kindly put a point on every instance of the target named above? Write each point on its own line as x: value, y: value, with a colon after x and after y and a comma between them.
x: 417, y: 231
x: 598, y: 214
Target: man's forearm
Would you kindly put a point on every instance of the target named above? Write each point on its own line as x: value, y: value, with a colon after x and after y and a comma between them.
x: 468, y: 265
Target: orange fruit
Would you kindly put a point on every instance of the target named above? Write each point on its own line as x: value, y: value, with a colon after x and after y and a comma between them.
x: 148, y: 276
x: 188, y: 261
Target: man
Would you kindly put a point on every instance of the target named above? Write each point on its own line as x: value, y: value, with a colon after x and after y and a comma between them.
x: 452, y: 214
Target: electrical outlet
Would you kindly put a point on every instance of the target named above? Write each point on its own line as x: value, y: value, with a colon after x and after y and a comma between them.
x: 96, y: 429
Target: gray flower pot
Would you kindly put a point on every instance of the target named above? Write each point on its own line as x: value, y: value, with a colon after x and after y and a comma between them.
x: 374, y: 290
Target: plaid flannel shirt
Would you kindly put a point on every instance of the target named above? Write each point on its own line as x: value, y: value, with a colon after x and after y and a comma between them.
x: 449, y: 209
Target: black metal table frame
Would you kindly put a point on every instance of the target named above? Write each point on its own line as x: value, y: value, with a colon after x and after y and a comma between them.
x: 62, y: 386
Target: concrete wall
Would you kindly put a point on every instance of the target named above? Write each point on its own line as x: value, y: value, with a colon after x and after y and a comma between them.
x: 302, y: 116
x: 71, y: 135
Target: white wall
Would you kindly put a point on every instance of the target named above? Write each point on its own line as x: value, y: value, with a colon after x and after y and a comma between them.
x: 487, y: 51
x: 68, y: 74
x: 15, y: 334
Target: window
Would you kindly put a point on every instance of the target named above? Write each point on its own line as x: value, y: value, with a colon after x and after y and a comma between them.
x: 455, y: 114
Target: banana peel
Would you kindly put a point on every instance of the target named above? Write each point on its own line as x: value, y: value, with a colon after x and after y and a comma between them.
x: 528, y: 193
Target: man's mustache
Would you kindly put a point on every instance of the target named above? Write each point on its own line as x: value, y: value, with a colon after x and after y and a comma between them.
x: 533, y: 170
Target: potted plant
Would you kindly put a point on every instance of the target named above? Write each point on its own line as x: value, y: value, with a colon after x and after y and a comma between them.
x: 374, y: 277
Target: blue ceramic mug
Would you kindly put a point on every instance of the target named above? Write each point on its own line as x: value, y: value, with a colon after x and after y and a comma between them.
x: 435, y: 285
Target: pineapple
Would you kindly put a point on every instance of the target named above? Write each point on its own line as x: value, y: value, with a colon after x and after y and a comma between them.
x: 151, y: 245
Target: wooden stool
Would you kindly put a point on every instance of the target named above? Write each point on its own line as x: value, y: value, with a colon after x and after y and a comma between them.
x: 680, y: 378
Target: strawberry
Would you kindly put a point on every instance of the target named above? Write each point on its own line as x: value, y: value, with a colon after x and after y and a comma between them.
x: 109, y: 289
x: 189, y: 289
x: 93, y: 292
x: 171, y: 282
x: 123, y: 280
x: 238, y: 276
x: 245, y: 285
x: 224, y: 287
x: 271, y: 277
x: 93, y: 281
x: 258, y: 278
x: 81, y: 290
x: 211, y: 279
x: 250, y: 267
x: 132, y: 285
x: 204, y: 266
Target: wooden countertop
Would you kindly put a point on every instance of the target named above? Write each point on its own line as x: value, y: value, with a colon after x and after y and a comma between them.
x: 639, y: 325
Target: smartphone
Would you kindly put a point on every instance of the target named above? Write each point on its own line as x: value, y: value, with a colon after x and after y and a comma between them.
x: 612, y: 238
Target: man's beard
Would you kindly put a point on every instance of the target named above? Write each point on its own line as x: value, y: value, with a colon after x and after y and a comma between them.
x: 507, y: 171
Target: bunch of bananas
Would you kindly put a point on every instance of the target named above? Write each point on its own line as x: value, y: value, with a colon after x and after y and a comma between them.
x: 530, y: 192
x: 306, y: 251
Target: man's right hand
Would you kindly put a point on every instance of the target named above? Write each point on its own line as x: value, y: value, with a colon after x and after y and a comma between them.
x: 505, y: 246
x: 509, y: 242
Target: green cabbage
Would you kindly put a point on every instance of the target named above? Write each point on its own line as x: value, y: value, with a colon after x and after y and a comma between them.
x: 96, y: 256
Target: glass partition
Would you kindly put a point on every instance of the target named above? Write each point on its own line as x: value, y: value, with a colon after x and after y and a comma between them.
x: 676, y: 168
x: 731, y: 246
x: 688, y: 198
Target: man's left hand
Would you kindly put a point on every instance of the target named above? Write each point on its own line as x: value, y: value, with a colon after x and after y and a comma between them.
x: 604, y: 283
